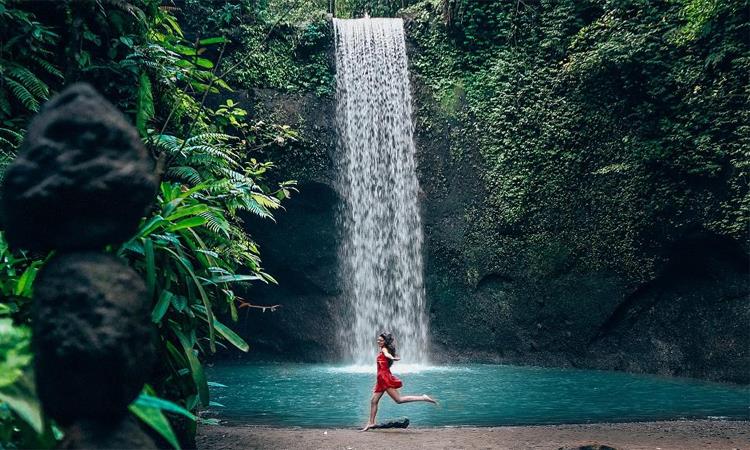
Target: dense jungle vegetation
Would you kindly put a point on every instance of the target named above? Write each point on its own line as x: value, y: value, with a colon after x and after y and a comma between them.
x: 604, y: 129
x: 191, y: 250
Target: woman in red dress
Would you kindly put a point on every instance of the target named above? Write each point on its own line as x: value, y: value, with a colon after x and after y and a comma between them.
x: 386, y: 381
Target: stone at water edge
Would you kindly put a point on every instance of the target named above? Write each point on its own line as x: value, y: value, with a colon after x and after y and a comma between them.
x: 394, y: 423
x: 589, y: 447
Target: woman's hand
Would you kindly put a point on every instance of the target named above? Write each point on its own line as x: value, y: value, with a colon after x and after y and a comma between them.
x: 397, y: 358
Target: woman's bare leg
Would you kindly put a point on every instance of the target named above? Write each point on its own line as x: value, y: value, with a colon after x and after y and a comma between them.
x: 398, y: 398
x: 374, y: 400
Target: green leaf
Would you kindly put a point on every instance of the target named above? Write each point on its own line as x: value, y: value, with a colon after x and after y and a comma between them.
x: 188, y: 223
x: 231, y: 336
x: 189, y: 211
x: 144, y: 103
x: 156, y: 420
x: 152, y: 416
x: 223, y: 330
x: 213, y: 40
x: 161, y: 306
x: 204, y: 63
x: 21, y: 397
x: 152, y: 224
x: 179, y: 302
x: 184, y: 50
x: 235, y: 278
x: 196, y: 369
x: 26, y: 280
x: 150, y: 401
x: 204, y: 297
x: 148, y: 248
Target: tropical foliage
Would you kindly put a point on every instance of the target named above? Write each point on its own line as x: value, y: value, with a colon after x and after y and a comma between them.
x: 192, y: 250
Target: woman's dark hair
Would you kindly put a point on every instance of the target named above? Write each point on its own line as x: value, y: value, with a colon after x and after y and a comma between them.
x: 388, y: 338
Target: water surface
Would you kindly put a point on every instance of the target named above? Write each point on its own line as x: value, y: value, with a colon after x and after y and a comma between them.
x: 310, y: 395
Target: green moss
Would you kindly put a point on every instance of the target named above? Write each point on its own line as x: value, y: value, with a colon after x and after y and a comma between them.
x: 294, y: 58
x: 602, y: 136
x: 283, y: 45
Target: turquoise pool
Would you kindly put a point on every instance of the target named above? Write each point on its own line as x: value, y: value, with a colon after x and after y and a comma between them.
x: 310, y: 395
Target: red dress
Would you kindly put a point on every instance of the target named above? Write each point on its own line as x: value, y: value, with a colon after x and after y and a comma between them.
x: 385, y: 378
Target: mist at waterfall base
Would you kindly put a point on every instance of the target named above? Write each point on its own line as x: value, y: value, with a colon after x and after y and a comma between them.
x: 309, y: 395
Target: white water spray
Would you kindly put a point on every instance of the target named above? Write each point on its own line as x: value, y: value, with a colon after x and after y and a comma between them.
x: 382, y: 246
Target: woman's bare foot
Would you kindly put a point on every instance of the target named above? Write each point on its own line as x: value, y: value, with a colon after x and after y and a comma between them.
x: 367, y: 427
x: 427, y: 398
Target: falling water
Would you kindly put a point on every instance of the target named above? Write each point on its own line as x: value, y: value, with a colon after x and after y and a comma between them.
x: 382, y: 248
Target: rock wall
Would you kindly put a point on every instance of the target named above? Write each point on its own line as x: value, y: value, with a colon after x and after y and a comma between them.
x: 540, y: 307
x: 300, y: 249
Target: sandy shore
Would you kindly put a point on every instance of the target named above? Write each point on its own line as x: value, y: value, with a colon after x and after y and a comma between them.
x: 678, y: 435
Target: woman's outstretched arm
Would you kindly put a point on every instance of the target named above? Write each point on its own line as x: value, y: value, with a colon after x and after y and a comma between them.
x: 389, y: 356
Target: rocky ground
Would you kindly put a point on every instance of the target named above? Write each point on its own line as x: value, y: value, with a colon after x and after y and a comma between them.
x: 679, y: 435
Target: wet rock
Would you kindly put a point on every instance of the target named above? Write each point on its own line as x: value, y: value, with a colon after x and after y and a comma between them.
x: 82, y: 178
x: 92, y: 337
x: 588, y: 447
x: 395, y: 423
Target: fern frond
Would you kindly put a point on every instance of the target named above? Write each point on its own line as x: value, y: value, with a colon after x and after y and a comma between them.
x: 6, y: 147
x: 216, y: 222
x: 223, y: 153
x: 203, y: 160
x: 12, y: 134
x: 204, y: 138
x: 257, y: 209
x: 4, y: 103
x: 23, y: 95
x: 218, y: 187
x: 166, y: 143
x: 185, y: 173
x: 238, y: 177
x: 47, y: 67
x: 30, y: 81
x: 267, y: 201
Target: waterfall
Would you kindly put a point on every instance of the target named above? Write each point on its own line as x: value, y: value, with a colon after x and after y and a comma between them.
x: 381, y: 253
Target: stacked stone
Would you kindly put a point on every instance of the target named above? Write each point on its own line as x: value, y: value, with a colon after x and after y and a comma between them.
x: 82, y: 181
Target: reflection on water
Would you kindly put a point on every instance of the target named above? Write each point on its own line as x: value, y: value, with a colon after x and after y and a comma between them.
x: 483, y: 395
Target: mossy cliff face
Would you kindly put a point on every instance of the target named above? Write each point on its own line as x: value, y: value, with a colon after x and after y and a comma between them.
x: 585, y: 196
x: 582, y: 193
